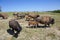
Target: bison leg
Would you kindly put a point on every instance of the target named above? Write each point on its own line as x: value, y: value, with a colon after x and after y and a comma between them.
x: 29, y: 24
x: 17, y: 31
x: 16, y: 34
x: 36, y: 25
x: 48, y: 25
x: 3, y: 17
x: 45, y: 25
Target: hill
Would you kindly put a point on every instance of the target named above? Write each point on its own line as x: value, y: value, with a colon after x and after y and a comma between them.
x: 55, y: 11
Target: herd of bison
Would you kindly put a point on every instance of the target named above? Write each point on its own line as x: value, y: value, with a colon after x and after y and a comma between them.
x: 33, y: 20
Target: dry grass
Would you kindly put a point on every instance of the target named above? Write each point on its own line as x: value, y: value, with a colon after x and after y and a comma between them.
x: 51, y: 33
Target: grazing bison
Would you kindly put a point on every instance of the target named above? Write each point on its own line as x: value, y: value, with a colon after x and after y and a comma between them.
x: 31, y: 16
x: 21, y: 15
x: 18, y: 15
x: 4, y: 15
x: 15, y: 15
x: 47, y: 20
x: 14, y: 25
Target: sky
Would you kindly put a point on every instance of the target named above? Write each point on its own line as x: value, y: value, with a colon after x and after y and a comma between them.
x: 29, y: 5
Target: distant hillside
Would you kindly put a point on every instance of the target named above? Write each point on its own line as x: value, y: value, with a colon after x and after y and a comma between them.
x: 55, y: 11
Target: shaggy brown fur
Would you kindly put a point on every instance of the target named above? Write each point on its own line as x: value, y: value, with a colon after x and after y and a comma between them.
x: 33, y: 23
x: 14, y: 25
x: 47, y: 20
x: 31, y: 16
x: 4, y: 15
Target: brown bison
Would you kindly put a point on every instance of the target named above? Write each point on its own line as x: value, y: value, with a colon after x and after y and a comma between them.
x: 4, y: 15
x: 31, y: 16
x: 15, y: 15
x: 32, y: 23
x: 47, y: 20
x: 27, y: 18
x: 18, y: 15
x: 14, y: 25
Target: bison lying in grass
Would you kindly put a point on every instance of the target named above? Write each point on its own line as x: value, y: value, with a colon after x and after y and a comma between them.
x: 14, y: 25
x: 31, y: 16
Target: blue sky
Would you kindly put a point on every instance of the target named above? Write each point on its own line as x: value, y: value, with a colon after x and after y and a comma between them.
x: 29, y: 5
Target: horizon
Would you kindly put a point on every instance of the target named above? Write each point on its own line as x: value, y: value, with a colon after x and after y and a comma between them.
x: 29, y: 5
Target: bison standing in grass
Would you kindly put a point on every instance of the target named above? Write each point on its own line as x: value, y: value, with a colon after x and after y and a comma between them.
x: 14, y: 25
x: 47, y: 20
x: 4, y: 15
x: 33, y: 23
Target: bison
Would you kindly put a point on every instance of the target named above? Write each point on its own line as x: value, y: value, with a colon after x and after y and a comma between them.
x: 47, y: 20
x: 32, y: 23
x: 31, y: 16
x: 18, y: 15
x: 27, y: 18
x: 4, y: 15
x: 14, y: 25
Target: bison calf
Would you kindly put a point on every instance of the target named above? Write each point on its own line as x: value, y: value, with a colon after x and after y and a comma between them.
x: 33, y: 23
x: 14, y: 25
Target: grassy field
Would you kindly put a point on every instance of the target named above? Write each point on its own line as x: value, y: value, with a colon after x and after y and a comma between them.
x: 51, y: 33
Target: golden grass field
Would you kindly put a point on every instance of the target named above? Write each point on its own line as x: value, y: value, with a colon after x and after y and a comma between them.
x: 50, y: 33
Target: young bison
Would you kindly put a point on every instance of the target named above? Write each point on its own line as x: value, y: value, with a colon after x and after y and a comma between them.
x: 14, y: 25
x: 32, y: 23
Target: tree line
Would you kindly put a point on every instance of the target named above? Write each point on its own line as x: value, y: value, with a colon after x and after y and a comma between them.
x: 55, y: 11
